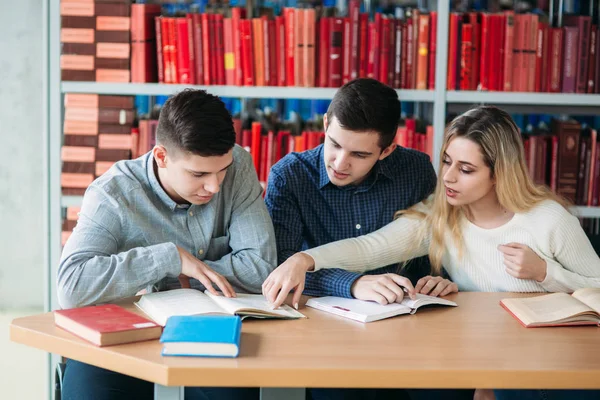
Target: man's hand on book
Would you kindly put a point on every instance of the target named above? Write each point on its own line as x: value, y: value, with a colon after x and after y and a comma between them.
x: 384, y: 289
x: 522, y: 262
x: 191, y: 267
x: 287, y: 277
x: 435, y: 286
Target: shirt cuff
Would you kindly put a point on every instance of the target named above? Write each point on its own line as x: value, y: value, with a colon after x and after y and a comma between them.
x: 166, y: 260
x: 551, y: 282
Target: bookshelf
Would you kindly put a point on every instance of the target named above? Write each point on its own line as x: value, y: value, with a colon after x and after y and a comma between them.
x: 440, y: 99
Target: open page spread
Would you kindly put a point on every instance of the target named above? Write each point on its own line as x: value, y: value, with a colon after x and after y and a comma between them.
x: 255, y: 305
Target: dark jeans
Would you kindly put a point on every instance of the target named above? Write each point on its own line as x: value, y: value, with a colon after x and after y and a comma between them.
x: 545, y: 394
x: 86, y: 382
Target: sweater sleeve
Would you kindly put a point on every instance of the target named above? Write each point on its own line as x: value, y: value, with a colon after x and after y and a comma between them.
x: 391, y: 244
x: 576, y: 265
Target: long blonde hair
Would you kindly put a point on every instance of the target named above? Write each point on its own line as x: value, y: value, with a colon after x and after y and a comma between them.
x: 502, y: 149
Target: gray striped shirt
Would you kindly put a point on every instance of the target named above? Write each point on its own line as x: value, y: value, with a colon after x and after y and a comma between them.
x: 128, y: 230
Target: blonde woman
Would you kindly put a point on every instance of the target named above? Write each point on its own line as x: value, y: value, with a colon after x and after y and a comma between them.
x: 487, y: 223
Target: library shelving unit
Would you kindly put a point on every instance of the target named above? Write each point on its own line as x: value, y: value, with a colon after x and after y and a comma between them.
x: 440, y: 99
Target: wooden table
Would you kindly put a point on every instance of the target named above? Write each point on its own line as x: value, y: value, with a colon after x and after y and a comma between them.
x: 475, y: 345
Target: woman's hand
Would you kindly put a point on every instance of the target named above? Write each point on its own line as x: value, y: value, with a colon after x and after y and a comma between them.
x: 435, y: 286
x: 287, y: 277
x: 522, y: 262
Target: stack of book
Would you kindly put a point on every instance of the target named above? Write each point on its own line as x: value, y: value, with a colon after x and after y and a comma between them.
x: 95, y: 40
x: 97, y: 133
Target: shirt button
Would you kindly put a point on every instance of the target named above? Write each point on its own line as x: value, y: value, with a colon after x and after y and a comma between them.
x: 357, y: 226
x: 191, y: 214
x: 200, y: 251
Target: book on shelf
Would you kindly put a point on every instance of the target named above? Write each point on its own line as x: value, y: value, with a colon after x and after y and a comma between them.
x: 368, y: 311
x: 556, y: 309
x: 180, y: 302
x: 202, y: 336
x: 106, y: 325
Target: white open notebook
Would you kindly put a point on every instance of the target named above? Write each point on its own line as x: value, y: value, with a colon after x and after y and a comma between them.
x: 161, y: 305
x: 368, y: 311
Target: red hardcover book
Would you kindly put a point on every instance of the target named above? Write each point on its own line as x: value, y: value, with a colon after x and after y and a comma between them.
x: 299, y: 47
x: 309, y: 47
x: 475, y: 20
x: 289, y: 16
x: 593, y: 60
x: 230, y: 60
x: 335, y: 51
x: 583, y: 24
x: 363, y: 55
x: 323, y: 54
x: 532, y: 51
x: 354, y: 12
x: 219, y: 48
x: 466, y: 60
x: 403, y: 47
x: 107, y: 325
x: 172, y: 49
x: 259, y: 51
x: 410, y: 53
x: 191, y: 48
x: 247, y: 53
x: 346, y: 51
x: 385, y: 50
x: 274, y: 78
x: 392, y: 55
x: 422, y: 63
x: 255, y: 149
x: 397, y: 53
x: 555, y: 47
x: 570, y: 62
x: 509, y: 38
x: 484, y: 60
x: 160, y: 62
x: 183, y: 51
x: 237, y: 13
x: 266, y: 48
x: 433, y: 49
x: 453, y: 52
x: 372, y: 63
x: 280, y: 48
x: 143, y: 36
x: 540, y: 66
x: 198, y: 52
x: 208, y: 72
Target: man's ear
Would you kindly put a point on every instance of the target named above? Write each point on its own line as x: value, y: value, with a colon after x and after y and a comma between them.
x: 387, y: 151
x: 160, y: 155
x: 325, y: 122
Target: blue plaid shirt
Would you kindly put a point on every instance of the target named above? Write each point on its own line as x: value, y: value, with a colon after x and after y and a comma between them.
x: 309, y: 211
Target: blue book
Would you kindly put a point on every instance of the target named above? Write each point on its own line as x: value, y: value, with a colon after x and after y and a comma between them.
x: 202, y: 335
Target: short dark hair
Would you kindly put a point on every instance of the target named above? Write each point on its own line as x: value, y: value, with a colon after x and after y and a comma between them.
x: 196, y: 122
x: 366, y: 104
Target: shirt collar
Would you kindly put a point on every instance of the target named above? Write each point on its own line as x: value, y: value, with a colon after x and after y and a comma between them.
x: 380, y: 168
x: 158, y: 189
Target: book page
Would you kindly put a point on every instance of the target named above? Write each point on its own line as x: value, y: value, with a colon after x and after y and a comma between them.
x: 161, y: 305
x: 253, y: 305
x: 545, y: 309
x: 423, y: 300
x: 589, y: 297
x: 359, y: 310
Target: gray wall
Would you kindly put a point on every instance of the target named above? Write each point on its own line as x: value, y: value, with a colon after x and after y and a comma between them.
x: 21, y: 152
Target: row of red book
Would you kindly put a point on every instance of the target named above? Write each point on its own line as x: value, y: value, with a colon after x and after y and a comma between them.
x: 567, y: 159
x: 522, y: 53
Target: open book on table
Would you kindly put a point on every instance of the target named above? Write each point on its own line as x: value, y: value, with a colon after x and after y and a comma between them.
x: 161, y: 305
x: 368, y: 311
x: 556, y: 309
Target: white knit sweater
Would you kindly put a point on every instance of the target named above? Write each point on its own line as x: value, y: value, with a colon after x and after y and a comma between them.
x: 548, y: 229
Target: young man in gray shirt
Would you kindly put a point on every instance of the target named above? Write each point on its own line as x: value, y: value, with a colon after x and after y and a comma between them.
x: 189, y: 213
